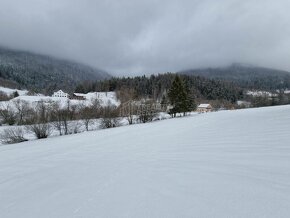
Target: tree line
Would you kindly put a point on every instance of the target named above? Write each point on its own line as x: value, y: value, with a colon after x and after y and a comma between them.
x: 43, y: 117
x: 156, y: 87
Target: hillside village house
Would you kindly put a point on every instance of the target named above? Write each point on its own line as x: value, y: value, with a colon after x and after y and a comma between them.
x: 78, y: 96
x: 204, y: 108
x: 60, y: 94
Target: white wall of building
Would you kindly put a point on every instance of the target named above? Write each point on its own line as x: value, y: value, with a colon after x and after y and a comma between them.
x: 60, y: 94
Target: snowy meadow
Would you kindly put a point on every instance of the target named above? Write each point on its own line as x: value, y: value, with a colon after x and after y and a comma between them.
x: 225, y: 164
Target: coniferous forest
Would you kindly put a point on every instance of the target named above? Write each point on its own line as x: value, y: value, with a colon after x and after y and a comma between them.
x: 157, y: 87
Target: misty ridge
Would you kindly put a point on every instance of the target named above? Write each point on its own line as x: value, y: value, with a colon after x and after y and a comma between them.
x: 42, y: 73
x: 45, y: 74
x: 246, y: 76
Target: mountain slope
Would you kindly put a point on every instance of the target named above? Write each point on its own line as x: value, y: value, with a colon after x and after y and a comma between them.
x: 246, y: 76
x: 223, y: 164
x: 42, y: 72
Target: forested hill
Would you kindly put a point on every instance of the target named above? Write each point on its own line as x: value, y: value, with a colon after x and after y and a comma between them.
x: 246, y: 76
x: 43, y: 73
x: 156, y: 87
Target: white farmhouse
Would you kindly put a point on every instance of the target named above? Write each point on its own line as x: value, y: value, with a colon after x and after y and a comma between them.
x: 60, y: 94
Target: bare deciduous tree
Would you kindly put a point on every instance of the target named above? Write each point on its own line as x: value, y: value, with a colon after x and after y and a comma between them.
x: 56, y: 117
x: 74, y: 127
x: 61, y: 117
x: 40, y: 130
x: 7, y: 114
x: 129, y: 110
x: 66, y: 116
x: 86, y: 115
x: 146, y: 112
x: 110, y: 117
x: 41, y: 126
x: 12, y: 135
x: 22, y: 109
x: 126, y: 94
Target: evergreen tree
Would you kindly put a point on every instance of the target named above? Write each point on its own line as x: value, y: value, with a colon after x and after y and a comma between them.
x: 179, y: 97
x: 190, y: 102
x: 15, y: 94
x: 156, y: 86
x: 80, y: 89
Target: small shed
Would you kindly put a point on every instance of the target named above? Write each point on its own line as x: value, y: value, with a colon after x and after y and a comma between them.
x: 204, y: 108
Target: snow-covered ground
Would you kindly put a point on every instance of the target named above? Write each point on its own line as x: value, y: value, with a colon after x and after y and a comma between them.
x: 261, y: 94
x: 9, y: 91
x: 224, y: 164
x: 78, y: 126
x: 105, y: 99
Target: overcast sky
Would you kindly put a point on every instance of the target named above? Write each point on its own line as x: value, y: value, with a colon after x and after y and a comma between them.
x: 127, y: 37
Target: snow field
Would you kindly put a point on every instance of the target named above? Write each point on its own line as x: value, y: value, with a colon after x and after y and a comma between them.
x: 224, y: 164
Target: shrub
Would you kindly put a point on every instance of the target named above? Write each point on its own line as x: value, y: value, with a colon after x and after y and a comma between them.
x: 110, y: 117
x: 8, y: 115
x: 110, y: 122
x: 41, y: 130
x: 13, y: 135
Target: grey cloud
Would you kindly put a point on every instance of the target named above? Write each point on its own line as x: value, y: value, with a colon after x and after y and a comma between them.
x: 128, y: 37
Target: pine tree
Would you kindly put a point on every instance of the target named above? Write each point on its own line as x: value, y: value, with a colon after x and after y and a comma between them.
x: 15, y: 94
x: 80, y: 89
x: 179, y: 97
x: 191, y: 105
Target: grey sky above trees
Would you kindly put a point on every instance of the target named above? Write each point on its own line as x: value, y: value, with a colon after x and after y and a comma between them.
x: 127, y: 37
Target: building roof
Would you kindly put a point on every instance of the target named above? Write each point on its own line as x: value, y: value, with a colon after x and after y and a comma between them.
x: 204, y: 106
x: 60, y: 91
x: 80, y: 94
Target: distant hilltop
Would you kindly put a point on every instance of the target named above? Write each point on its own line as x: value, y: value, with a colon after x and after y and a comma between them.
x: 22, y: 69
x: 246, y: 76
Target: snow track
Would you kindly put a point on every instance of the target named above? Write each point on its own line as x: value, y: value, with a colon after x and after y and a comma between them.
x: 225, y: 164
